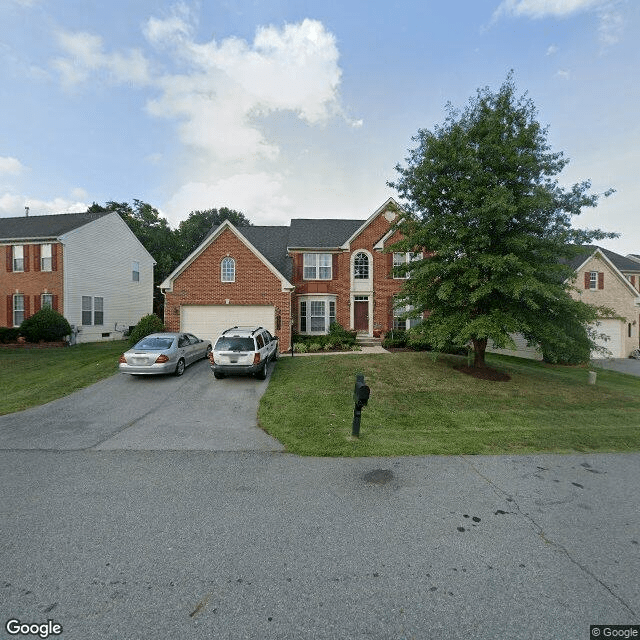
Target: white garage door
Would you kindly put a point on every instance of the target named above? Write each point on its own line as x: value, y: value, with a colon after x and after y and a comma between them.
x: 209, y: 321
x: 612, y: 329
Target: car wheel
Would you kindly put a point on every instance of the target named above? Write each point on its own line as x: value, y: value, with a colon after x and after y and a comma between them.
x: 209, y: 350
x: 217, y: 375
x: 180, y: 367
x: 262, y: 373
x: 276, y: 354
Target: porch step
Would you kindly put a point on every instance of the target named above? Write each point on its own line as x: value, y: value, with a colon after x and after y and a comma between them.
x: 367, y: 341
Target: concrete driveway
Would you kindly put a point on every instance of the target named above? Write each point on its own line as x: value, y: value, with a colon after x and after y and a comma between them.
x: 193, y: 412
x: 622, y: 365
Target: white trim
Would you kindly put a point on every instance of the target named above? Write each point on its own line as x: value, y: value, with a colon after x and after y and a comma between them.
x: 389, y: 203
x: 598, y: 254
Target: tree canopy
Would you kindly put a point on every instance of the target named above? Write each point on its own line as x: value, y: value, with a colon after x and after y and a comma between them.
x: 480, y: 194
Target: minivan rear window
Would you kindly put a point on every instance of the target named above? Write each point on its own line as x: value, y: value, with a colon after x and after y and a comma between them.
x: 234, y: 344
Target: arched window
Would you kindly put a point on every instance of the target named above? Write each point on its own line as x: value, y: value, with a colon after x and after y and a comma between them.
x: 228, y: 270
x: 361, y: 266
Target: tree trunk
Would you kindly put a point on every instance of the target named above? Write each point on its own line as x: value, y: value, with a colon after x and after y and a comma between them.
x: 479, y: 347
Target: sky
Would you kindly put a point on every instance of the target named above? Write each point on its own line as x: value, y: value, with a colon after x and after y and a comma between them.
x: 287, y: 109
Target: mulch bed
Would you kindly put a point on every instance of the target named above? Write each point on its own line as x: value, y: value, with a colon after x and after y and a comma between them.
x: 484, y: 373
x: 33, y: 345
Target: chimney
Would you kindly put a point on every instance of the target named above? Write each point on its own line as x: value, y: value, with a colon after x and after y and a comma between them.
x: 26, y: 211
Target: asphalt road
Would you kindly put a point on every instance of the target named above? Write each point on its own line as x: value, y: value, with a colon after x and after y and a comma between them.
x: 123, y: 530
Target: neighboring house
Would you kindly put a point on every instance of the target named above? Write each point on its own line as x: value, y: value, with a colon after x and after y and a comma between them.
x: 290, y: 279
x: 90, y: 267
x: 602, y: 278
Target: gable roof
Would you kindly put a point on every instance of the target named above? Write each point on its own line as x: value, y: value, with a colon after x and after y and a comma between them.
x: 24, y: 228
x: 621, y: 263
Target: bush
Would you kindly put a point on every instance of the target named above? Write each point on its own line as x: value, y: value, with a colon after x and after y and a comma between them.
x: 300, y: 347
x: 8, y: 334
x: 396, y: 338
x: 417, y: 339
x: 47, y: 325
x: 146, y: 325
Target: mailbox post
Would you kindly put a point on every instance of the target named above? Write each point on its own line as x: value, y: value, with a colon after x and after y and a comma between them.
x: 360, y: 398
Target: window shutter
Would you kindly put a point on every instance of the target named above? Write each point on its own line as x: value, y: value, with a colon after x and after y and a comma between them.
x: 10, y: 268
x: 26, y: 258
x: 9, y: 310
x: 587, y: 279
x: 600, y: 280
x: 633, y: 280
x: 390, y: 303
x: 54, y: 257
x: 334, y: 267
x: 390, y: 270
x: 36, y: 257
x: 54, y: 302
x: 27, y: 310
x: 37, y: 303
x: 299, y: 260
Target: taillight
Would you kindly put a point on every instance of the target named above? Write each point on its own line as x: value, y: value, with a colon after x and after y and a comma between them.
x: 211, y: 360
x: 122, y: 359
x: 161, y: 359
x: 256, y: 358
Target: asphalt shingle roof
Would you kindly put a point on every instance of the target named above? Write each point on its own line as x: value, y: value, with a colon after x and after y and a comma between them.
x: 321, y: 234
x: 271, y: 242
x: 620, y: 262
x: 41, y: 227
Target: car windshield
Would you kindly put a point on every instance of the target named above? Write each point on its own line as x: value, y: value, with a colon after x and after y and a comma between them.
x: 154, y: 343
x: 234, y: 344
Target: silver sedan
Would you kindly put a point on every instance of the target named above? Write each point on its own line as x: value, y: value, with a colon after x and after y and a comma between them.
x: 164, y: 353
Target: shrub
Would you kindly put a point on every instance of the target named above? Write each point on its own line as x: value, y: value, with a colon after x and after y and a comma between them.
x: 315, y: 346
x: 417, y: 339
x: 146, y: 325
x: 395, y: 338
x: 9, y: 334
x: 300, y: 347
x: 47, y: 325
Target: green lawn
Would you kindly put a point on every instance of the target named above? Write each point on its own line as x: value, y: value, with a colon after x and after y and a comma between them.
x: 30, y: 377
x: 421, y: 405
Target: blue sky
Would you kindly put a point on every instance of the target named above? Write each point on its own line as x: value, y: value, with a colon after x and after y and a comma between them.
x: 288, y: 108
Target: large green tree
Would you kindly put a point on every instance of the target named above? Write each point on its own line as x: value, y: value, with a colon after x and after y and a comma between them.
x: 193, y: 230
x: 481, y: 195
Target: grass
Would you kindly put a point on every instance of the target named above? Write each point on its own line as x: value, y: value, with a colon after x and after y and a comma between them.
x: 31, y: 377
x: 421, y: 405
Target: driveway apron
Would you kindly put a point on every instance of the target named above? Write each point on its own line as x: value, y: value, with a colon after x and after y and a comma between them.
x: 192, y: 412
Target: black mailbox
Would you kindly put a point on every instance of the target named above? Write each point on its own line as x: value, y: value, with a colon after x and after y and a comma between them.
x: 361, y: 395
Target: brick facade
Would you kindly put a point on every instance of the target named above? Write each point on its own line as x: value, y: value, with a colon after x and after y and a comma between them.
x: 31, y: 283
x: 255, y: 284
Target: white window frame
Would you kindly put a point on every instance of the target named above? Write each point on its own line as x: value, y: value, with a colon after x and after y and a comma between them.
x: 18, y: 258
x: 87, y: 308
x: 317, y: 266
x: 398, y: 322
x: 18, y: 309
x: 46, y: 300
x: 400, y: 259
x: 315, y: 307
x: 228, y: 270
x: 98, y: 311
x: 135, y: 271
x: 359, y: 266
x: 593, y: 280
x: 46, y: 257
x: 93, y: 311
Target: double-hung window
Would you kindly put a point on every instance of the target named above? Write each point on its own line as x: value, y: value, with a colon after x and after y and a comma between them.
x: 46, y: 259
x: 18, y: 257
x: 18, y: 309
x: 92, y: 310
x: 46, y: 300
x: 400, y: 320
x: 402, y: 259
x: 317, y: 314
x: 317, y: 266
x: 135, y: 271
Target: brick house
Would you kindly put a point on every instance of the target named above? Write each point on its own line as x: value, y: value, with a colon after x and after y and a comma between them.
x: 607, y: 279
x: 290, y: 279
x: 89, y: 267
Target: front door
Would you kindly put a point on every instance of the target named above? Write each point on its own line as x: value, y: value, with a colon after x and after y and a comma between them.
x: 361, y: 315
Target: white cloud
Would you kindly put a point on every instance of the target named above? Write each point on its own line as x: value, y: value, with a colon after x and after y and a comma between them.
x: 552, y: 50
x: 610, y: 25
x: 259, y: 196
x: 10, y: 166
x: 85, y: 57
x: 12, y: 204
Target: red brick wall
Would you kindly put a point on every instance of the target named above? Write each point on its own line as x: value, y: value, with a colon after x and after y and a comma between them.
x: 384, y: 285
x: 255, y: 284
x: 31, y: 282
